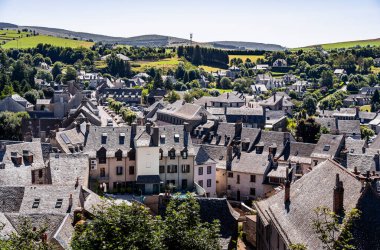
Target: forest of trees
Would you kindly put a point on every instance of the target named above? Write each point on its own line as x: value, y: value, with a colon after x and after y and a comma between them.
x: 204, y: 56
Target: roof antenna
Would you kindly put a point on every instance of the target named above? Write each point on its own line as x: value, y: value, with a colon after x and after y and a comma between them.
x: 191, y: 39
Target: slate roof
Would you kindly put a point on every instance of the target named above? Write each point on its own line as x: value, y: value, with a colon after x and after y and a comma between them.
x: 327, y: 146
x: 349, y: 127
x: 33, y: 148
x: 11, y: 199
x: 329, y: 123
x: 363, y: 162
x: 315, y: 189
x: 71, y: 138
x: 355, y: 146
x: 219, y: 209
x: 202, y: 157
x: 298, y: 152
x: 367, y: 115
x: 186, y: 111
x: 217, y: 153
x: 65, y: 232
x: 168, y: 141
x: 65, y: 169
x: 250, y: 163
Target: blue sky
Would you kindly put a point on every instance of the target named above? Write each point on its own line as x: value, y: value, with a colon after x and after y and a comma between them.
x: 290, y: 23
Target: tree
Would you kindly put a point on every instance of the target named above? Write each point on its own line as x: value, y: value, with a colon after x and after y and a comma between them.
x: 375, y: 101
x: 10, y: 125
x: 184, y: 228
x: 44, y: 75
x: 128, y: 115
x: 308, y: 130
x: 197, y: 56
x: 172, y: 96
x: 119, y: 226
x: 310, y: 105
x: 32, y: 96
x: 366, y: 132
x: 71, y: 74
x: 327, y: 79
x: 157, y: 81
x: 335, y: 230
x: 225, y: 83
x: 27, y: 237
x: 56, y: 70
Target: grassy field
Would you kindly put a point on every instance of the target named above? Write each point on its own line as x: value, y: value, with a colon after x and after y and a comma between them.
x: 221, y: 91
x: 209, y: 69
x: 348, y: 44
x: 33, y: 41
x: 253, y: 58
x: 9, y: 35
x: 166, y: 64
x: 100, y: 64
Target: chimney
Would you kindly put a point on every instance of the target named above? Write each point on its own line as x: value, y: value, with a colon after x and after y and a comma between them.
x: 228, y: 95
x: 206, y: 105
x: 225, y: 110
x: 186, y: 132
x: 156, y: 136
x: 287, y: 187
x: 356, y: 171
x: 238, y: 129
x: 338, y: 196
x: 274, y: 96
x: 363, y: 150
x: 148, y: 126
x: 77, y: 125
x: 43, y: 136
x: 377, y: 161
x: 71, y: 200
x: 229, y: 157
x: 133, y: 129
x: 88, y: 125
x: 77, y: 183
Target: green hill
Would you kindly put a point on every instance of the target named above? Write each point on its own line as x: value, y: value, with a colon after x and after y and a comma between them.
x: 348, y: 44
x: 33, y: 41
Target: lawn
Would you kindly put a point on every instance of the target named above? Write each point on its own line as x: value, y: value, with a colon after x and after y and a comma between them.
x: 33, y: 41
x: 375, y: 70
x: 100, y: 64
x: 253, y: 58
x: 221, y: 91
x: 165, y: 64
x: 209, y: 69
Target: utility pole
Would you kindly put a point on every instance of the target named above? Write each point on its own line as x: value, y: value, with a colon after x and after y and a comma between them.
x: 191, y: 39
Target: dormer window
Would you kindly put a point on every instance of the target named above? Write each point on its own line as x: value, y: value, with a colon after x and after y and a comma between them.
x: 121, y: 138
x: 104, y: 138
x: 102, y: 156
x: 36, y: 203
x: 58, y: 204
x: 162, y: 139
x: 326, y: 148
x: 172, y: 154
x: 176, y: 138
x: 119, y: 155
x: 184, y: 154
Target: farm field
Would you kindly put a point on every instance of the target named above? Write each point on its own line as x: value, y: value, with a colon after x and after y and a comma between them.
x: 9, y: 35
x: 165, y: 64
x: 348, y: 44
x: 253, y: 58
x: 209, y: 69
x: 33, y: 41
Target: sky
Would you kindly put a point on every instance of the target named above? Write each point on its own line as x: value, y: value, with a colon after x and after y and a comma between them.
x: 291, y: 23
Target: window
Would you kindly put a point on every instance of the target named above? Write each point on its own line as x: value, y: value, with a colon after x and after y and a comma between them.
x: 131, y: 170
x: 208, y: 169
x: 101, y: 154
x: 40, y: 173
x: 185, y: 168
x: 172, y: 169
x: 176, y: 138
x: 315, y: 162
x: 119, y: 170
x: 184, y: 154
x: 121, y: 138
x: 229, y: 187
x: 238, y: 179
x: 58, y: 204
x: 36, y: 203
x: 208, y: 182
x: 119, y: 155
x: 162, y: 169
x: 252, y: 191
x: 253, y: 178
x: 161, y: 154
x: 104, y: 138
x: 230, y: 175
x: 200, y: 171
x: 172, y: 154
x: 102, y: 172
x: 132, y: 155
x: 184, y: 184
x: 200, y: 183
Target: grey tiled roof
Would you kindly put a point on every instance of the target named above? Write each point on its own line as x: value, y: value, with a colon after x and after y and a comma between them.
x: 217, y: 153
x: 349, y: 127
x: 65, y: 169
x: 33, y: 148
x: 65, y: 232
x: 250, y: 163
x: 327, y: 146
x: 362, y: 162
x: 315, y: 189
x: 355, y: 146
x: 202, y: 157
x: 299, y: 152
x: 11, y: 199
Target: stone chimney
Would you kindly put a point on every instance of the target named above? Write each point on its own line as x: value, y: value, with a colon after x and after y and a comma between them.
x: 338, y: 196
x: 147, y: 127
x: 71, y: 200
x: 186, y: 132
x: 206, y: 105
x: 229, y: 157
x: 228, y: 95
x: 225, y: 110
x: 274, y: 96
x: 133, y: 129
x: 238, y: 129
x: 43, y: 136
x: 156, y: 136
x: 377, y: 161
x: 88, y: 126
x: 287, y: 187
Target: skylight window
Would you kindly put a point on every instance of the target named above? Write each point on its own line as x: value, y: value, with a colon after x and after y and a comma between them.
x: 36, y: 203
x: 326, y: 148
x: 176, y: 137
x: 58, y: 204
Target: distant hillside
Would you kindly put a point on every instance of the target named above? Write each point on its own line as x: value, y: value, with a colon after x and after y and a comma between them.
x: 144, y: 40
x: 246, y: 45
x: 348, y: 44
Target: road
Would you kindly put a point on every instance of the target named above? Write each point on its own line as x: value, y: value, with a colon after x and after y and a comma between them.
x: 104, y: 116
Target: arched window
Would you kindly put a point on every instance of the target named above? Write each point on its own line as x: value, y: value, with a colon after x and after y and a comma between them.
x: 119, y: 155
x: 101, y: 154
